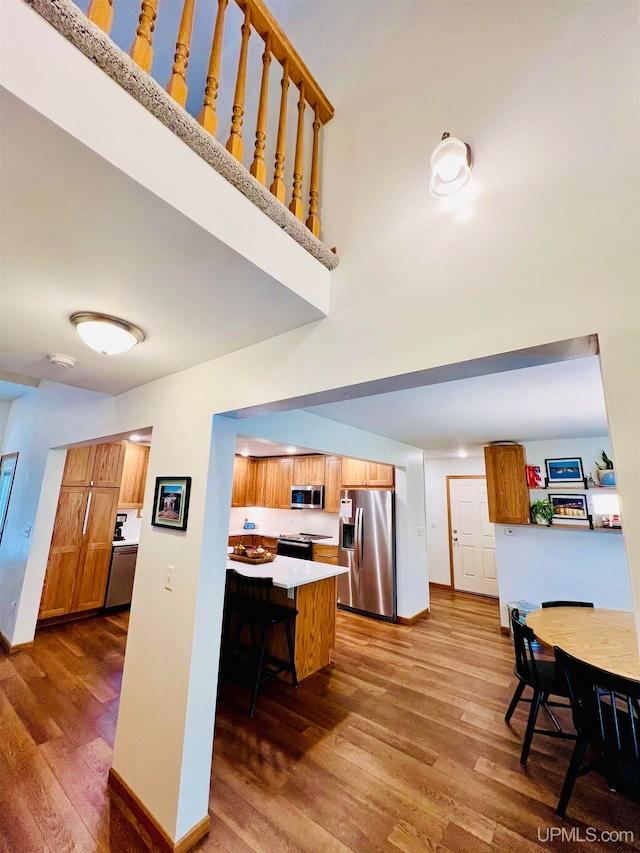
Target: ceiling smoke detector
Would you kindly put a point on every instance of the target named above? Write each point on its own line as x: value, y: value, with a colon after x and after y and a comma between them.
x: 63, y: 361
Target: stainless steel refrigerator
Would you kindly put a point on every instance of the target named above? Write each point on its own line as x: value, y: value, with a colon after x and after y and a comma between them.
x: 367, y: 547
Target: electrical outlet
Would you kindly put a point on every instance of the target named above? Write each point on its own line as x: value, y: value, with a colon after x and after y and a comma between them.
x: 509, y: 531
x: 168, y: 578
x: 421, y: 531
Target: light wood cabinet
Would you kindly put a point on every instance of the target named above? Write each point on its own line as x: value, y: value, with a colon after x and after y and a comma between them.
x: 380, y: 475
x: 108, y: 465
x: 134, y: 476
x: 78, y: 466
x: 64, y: 553
x: 271, y: 493
x: 356, y: 473
x: 80, y: 550
x: 308, y: 471
x: 250, y: 495
x: 325, y: 554
x: 285, y: 482
x: 260, y: 482
x: 240, y: 477
x: 506, y: 484
x: 333, y: 484
x: 95, y: 554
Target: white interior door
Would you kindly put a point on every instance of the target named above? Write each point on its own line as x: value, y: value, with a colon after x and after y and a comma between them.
x: 473, y: 542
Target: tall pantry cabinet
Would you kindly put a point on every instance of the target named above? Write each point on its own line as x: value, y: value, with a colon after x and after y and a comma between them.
x: 80, y: 551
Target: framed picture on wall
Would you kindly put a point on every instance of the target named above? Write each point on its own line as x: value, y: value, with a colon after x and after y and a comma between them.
x: 7, y: 474
x: 569, y: 507
x: 171, y: 502
x: 561, y: 472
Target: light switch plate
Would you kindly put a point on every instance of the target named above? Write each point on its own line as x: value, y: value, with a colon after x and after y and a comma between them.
x: 168, y: 578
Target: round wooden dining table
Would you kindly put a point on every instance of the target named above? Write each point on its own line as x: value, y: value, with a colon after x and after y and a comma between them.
x: 602, y: 638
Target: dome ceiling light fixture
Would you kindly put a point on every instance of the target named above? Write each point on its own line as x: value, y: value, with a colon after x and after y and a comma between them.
x: 106, y: 334
x: 450, y: 167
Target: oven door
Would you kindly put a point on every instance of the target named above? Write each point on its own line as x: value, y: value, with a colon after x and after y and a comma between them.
x: 300, y: 550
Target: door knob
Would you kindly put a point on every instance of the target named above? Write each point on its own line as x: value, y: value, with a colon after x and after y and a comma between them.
x: 455, y: 538
x: 455, y: 531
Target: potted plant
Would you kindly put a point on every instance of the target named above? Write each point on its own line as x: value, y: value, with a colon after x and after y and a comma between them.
x: 542, y: 511
x: 606, y: 474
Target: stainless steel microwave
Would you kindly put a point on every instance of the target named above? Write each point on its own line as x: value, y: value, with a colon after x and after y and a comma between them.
x: 307, y: 497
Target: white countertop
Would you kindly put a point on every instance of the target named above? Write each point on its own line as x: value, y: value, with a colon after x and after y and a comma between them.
x: 288, y: 572
x: 118, y: 543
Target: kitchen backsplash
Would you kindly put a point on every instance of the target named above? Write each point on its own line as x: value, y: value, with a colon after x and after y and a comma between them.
x: 286, y: 520
x: 131, y: 527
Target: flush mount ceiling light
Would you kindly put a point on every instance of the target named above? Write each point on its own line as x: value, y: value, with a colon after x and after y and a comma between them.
x: 450, y: 167
x: 105, y: 334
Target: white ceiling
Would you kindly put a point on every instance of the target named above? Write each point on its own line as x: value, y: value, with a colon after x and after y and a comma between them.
x: 82, y: 236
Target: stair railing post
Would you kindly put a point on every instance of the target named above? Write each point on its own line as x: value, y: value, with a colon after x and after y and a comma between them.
x: 234, y: 143
x: 277, y: 187
x: 141, y: 50
x: 258, y: 167
x: 296, y: 198
x: 207, y: 116
x: 313, y: 223
x: 177, y: 85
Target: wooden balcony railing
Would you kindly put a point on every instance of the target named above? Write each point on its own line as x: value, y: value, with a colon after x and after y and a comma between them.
x: 258, y: 18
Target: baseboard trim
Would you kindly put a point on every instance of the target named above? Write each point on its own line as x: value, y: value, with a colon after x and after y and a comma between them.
x: 19, y: 647
x: 149, y: 830
x: 440, y: 585
x: 404, y: 620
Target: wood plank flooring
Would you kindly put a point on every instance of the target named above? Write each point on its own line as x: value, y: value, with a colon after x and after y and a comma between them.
x: 400, y: 745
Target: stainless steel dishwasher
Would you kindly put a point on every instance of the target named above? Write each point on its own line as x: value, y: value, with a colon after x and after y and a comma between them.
x: 121, y: 574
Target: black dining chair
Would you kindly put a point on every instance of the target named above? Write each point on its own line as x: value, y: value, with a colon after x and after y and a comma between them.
x: 567, y: 604
x: 606, y: 715
x: 254, y: 611
x: 544, y: 680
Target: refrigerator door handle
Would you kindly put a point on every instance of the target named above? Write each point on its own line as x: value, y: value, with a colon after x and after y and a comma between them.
x: 359, y: 554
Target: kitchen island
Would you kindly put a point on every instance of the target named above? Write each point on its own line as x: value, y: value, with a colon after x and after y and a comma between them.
x: 310, y: 588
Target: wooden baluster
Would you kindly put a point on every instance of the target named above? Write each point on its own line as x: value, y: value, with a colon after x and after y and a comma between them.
x: 177, y: 85
x: 277, y: 187
x: 207, y: 117
x: 296, y: 204
x: 141, y: 50
x: 258, y: 167
x: 101, y: 13
x: 313, y: 223
x: 234, y: 143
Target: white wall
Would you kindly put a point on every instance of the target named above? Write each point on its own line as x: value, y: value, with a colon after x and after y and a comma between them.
x: 436, y: 472
x: 5, y: 407
x: 538, y: 564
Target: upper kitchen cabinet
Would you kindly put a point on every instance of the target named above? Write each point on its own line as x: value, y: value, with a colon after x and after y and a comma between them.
x: 78, y: 466
x: 358, y: 474
x: 240, y: 481
x: 506, y: 484
x: 134, y: 476
x: 285, y: 482
x: 332, y: 483
x: 308, y: 471
x: 271, y: 484
x: 96, y: 465
x: 108, y: 465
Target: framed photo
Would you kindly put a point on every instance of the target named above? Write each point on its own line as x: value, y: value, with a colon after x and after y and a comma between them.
x: 569, y: 507
x: 7, y: 474
x: 563, y: 471
x: 171, y: 502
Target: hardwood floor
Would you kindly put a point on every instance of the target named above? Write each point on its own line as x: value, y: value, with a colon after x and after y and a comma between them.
x: 400, y: 745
